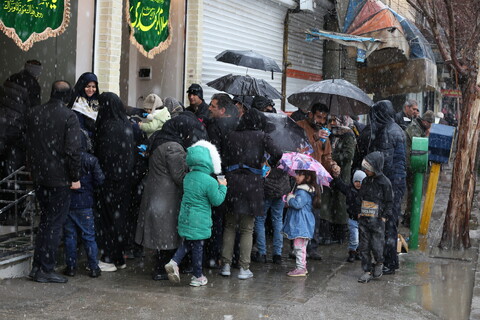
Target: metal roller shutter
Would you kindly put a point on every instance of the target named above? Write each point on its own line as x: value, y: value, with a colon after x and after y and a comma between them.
x: 241, y: 25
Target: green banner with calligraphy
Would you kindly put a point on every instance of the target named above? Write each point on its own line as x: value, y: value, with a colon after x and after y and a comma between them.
x: 28, y: 21
x: 149, y: 21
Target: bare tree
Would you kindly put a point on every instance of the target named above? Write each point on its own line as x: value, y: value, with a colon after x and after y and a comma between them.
x: 455, y: 26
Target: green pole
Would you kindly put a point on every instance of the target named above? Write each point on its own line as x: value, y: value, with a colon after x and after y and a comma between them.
x: 416, y: 203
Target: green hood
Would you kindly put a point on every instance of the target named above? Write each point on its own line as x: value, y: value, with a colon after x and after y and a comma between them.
x: 204, y: 157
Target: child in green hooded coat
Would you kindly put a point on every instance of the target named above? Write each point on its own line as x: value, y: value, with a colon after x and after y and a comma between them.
x: 200, y: 193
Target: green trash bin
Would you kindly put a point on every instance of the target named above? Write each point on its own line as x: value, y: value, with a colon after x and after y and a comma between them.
x: 419, y: 155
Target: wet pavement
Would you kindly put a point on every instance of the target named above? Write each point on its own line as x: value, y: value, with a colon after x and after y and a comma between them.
x: 431, y: 284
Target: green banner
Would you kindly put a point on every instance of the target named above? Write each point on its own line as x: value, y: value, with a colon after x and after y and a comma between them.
x: 27, y: 21
x: 150, y: 25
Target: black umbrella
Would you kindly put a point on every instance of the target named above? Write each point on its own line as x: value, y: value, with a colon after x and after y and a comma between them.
x: 286, y: 134
x: 244, y: 86
x: 249, y: 59
x: 342, y: 97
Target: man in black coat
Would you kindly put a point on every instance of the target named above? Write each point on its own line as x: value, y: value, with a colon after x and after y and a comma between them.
x: 409, y: 112
x: 53, y: 154
x: 224, y: 119
x: 197, y: 105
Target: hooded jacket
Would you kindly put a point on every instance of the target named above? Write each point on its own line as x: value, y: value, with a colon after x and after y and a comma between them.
x: 377, y: 188
x: 300, y: 221
x: 156, y: 120
x: 200, y: 192
x: 387, y: 137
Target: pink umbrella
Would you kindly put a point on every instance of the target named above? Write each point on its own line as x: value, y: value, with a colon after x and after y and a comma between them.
x: 292, y: 161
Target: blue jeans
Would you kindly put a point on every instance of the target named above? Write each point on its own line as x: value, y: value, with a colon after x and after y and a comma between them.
x: 353, y: 234
x: 83, y: 220
x: 196, y: 246
x: 276, y: 205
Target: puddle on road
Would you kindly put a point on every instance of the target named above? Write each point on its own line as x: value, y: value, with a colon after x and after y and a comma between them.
x: 446, y: 290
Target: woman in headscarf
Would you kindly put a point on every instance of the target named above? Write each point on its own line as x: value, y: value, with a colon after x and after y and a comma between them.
x: 85, y: 101
x: 114, y: 148
x: 245, y: 156
x: 160, y: 206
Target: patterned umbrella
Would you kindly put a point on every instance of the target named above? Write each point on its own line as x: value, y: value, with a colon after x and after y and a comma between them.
x: 292, y: 161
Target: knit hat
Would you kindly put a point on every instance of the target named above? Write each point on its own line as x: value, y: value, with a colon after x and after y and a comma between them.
x: 173, y: 106
x: 428, y: 116
x: 33, y: 67
x: 359, y: 175
x: 196, y: 89
x: 152, y: 102
x: 367, y: 166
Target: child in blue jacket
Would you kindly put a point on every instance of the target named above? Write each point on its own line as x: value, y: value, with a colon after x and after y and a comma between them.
x: 299, y: 222
x: 81, y: 216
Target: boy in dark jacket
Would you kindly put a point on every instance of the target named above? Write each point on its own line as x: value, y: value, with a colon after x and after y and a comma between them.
x: 81, y: 214
x: 351, y: 193
x: 374, y: 205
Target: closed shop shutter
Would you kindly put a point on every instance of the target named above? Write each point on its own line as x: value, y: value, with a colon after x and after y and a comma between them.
x: 241, y: 25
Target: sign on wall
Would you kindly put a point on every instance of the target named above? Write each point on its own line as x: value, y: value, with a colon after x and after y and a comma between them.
x: 29, y: 21
x: 149, y: 22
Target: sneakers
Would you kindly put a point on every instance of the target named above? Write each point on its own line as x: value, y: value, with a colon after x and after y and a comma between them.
x: 366, y: 277
x: 225, y: 271
x: 172, y: 271
x: 121, y: 266
x: 197, y: 282
x: 244, y: 274
x: 377, y: 270
x: 107, y: 267
x: 297, y: 273
x: 387, y: 270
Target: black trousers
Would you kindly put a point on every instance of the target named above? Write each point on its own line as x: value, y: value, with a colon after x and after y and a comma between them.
x: 54, y: 204
x: 113, y: 202
x: 391, y: 226
x: 372, y: 240
x: 213, y: 246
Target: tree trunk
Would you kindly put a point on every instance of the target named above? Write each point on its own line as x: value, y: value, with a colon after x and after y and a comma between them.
x: 456, y: 226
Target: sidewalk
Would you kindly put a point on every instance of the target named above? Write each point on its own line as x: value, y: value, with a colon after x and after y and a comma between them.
x: 429, y: 285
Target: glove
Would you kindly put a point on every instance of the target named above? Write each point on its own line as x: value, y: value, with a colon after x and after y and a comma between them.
x: 145, y: 114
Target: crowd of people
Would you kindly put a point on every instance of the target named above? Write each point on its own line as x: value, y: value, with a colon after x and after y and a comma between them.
x: 196, y: 185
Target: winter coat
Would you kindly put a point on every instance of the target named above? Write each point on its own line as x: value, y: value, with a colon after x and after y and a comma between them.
x: 157, y: 220
x: 91, y: 177
x: 333, y: 207
x: 157, y: 119
x: 218, y: 130
x: 200, y: 192
x: 376, y: 189
x: 384, y: 135
x: 114, y: 140
x: 201, y: 112
x: 19, y: 93
x: 53, y: 144
x: 299, y: 220
x: 245, y: 153
x: 350, y: 193
x: 402, y: 120
x: 277, y: 184
x: 322, y: 151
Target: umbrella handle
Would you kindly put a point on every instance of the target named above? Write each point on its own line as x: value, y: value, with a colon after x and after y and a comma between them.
x: 294, y: 186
